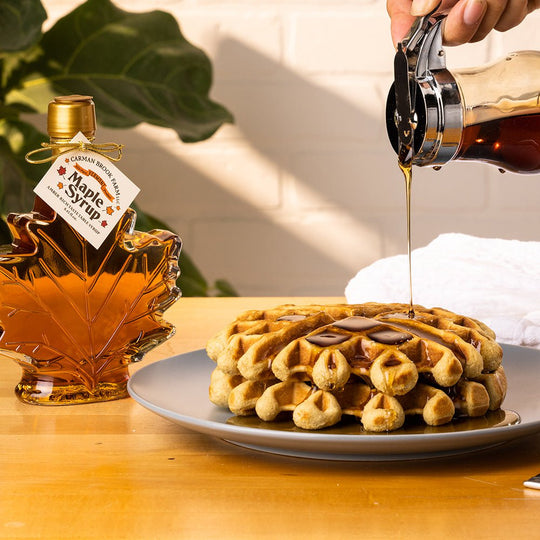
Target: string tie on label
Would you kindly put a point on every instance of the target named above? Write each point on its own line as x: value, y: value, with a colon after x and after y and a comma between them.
x: 110, y: 150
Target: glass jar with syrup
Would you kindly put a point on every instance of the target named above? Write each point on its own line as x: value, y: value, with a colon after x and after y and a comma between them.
x: 73, y: 315
x: 489, y: 113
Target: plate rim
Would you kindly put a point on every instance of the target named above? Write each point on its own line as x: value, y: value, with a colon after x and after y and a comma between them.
x: 244, y: 435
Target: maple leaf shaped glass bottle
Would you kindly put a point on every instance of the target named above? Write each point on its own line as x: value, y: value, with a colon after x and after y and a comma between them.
x: 74, y: 316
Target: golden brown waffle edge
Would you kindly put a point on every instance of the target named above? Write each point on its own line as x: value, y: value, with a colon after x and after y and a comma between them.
x: 320, y: 362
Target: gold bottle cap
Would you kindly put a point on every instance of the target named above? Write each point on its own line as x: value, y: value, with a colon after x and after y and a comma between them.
x: 67, y: 115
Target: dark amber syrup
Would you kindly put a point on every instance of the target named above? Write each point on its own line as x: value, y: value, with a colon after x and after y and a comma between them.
x: 414, y: 425
x: 510, y: 143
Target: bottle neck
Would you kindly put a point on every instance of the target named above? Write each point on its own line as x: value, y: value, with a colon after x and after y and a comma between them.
x: 67, y: 116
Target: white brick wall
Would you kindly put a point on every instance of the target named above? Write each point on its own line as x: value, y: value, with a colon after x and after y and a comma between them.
x: 303, y: 190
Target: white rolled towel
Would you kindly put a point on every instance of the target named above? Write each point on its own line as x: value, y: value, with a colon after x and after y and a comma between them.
x: 496, y: 281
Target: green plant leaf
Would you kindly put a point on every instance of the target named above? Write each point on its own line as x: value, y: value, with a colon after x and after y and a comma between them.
x: 138, y: 66
x: 224, y: 288
x: 14, y: 67
x: 17, y: 177
x: 147, y: 222
x: 20, y: 24
x: 191, y: 280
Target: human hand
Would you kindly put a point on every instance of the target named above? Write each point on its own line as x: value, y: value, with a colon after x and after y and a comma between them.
x: 466, y: 20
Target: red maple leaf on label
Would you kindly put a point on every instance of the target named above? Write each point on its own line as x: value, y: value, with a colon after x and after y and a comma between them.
x: 61, y: 170
x: 103, y: 223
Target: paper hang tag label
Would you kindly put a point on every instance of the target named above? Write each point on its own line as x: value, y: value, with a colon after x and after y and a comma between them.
x: 88, y: 191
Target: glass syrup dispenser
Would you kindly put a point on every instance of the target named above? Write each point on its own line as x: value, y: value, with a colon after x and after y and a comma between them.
x: 488, y: 114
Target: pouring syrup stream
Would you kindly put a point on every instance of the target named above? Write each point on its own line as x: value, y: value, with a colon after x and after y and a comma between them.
x: 406, y: 169
x: 406, y: 121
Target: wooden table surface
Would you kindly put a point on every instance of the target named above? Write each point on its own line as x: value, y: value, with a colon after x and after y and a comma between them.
x: 116, y: 470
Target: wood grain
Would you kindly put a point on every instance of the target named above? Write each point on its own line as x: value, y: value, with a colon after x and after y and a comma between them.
x: 115, y: 470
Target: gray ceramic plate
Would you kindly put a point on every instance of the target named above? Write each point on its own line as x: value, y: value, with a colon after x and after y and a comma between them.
x: 177, y: 389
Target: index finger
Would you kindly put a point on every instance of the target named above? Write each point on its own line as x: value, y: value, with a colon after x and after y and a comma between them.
x: 401, y: 19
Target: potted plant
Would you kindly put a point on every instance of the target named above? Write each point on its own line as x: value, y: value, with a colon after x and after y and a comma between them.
x: 138, y: 66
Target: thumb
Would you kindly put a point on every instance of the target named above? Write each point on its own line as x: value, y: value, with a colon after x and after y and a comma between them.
x: 399, y: 27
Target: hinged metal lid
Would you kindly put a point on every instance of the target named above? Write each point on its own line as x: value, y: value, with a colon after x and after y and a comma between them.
x: 424, y: 112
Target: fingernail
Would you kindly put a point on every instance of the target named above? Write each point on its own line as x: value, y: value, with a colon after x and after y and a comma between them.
x: 423, y: 7
x: 473, y: 12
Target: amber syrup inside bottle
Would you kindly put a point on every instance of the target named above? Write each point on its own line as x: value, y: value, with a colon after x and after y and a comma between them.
x: 73, y: 316
x: 511, y: 143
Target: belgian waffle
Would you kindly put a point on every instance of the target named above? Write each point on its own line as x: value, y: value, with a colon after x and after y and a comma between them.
x: 276, y: 326
x: 369, y: 360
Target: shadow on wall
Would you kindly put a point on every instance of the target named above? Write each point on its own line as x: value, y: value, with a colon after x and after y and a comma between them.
x: 297, y: 197
x: 316, y: 131
x: 304, y: 190
x: 278, y: 204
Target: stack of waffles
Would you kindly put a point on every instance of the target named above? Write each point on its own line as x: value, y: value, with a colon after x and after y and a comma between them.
x: 371, y: 361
